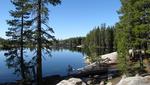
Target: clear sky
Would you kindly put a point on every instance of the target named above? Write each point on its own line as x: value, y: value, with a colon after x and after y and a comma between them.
x: 72, y: 18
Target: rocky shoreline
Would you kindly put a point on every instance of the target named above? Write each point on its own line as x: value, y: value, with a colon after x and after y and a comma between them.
x: 91, y: 74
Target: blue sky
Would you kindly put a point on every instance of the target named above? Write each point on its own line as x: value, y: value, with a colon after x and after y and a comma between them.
x: 72, y: 18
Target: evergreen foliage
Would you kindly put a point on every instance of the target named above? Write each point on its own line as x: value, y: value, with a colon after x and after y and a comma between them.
x: 18, y: 25
x: 71, y: 42
x: 42, y: 35
x: 133, y: 29
x: 99, y: 41
x: 101, y: 37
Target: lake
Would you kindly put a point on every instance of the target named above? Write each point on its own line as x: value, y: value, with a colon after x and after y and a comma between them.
x: 56, y: 64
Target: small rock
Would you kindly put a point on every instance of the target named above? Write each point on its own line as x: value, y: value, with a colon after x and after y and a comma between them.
x: 75, y: 81
x: 89, y: 82
x: 109, y: 83
x: 102, y: 83
x: 109, y: 77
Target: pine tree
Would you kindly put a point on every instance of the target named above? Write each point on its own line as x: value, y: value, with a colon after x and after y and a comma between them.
x: 122, y: 48
x: 110, y: 38
x: 18, y: 24
x: 134, y: 23
x: 43, y: 36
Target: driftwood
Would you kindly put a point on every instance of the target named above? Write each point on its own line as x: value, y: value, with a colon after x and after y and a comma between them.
x: 92, y: 69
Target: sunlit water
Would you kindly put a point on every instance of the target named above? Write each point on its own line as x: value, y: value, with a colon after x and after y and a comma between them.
x: 57, y: 64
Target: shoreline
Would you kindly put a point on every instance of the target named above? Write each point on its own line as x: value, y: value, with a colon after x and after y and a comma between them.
x: 87, y: 73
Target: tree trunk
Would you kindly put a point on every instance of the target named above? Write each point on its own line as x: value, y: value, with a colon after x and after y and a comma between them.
x: 21, y: 50
x: 39, y: 46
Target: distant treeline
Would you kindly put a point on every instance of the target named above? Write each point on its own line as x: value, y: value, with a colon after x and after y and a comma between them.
x: 2, y: 41
x: 101, y: 37
x: 71, y: 42
x: 98, y: 41
x: 5, y: 43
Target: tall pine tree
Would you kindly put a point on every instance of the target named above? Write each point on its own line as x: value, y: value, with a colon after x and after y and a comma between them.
x: 18, y: 24
x: 133, y: 27
x: 42, y: 31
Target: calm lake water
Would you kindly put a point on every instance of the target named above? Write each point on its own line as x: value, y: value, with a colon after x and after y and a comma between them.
x: 56, y: 64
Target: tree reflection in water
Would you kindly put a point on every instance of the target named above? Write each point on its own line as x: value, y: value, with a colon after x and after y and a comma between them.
x: 19, y: 65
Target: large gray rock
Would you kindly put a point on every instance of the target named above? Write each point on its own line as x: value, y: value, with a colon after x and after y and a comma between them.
x: 137, y: 80
x: 72, y: 81
x: 110, y: 57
